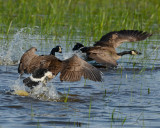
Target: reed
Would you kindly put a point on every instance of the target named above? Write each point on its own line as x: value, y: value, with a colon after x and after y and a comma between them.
x: 90, y: 108
x: 32, y: 113
x: 70, y: 21
x: 79, y: 18
x: 66, y: 97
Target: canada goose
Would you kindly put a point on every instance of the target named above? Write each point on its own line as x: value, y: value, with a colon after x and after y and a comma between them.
x: 78, y: 46
x: 104, y: 51
x: 29, y: 55
x: 56, y: 49
x: 71, y: 69
x: 39, y: 75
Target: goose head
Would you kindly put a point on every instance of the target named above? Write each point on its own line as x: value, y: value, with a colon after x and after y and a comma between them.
x: 77, y: 46
x: 134, y: 52
x: 56, y: 49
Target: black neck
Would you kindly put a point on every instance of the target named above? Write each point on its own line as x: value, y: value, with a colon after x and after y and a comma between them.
x: 124, y: 53
x: 84, y: 49
x: 53, y: 51
x: 29, y: 83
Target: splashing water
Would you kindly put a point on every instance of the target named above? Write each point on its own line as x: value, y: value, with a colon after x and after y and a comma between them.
x: 17, y: 88
x: 41, y: 92
x: 47, y: 93
x: 17, y: 85
x: 70, y: 54
x: 12, y: 51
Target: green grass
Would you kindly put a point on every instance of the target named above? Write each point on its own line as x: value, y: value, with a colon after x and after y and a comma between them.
x: 90, y: 108
x: 66, y: 97
x: 38, y: 124
x: 77, y: 21
x: 84, y: 21
x: 89, y: 18
x: 32, y: 113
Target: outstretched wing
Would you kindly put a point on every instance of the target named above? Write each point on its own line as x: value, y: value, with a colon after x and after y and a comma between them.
x: 26, y: 59
x: 74, y: 68
x: 116, y: 38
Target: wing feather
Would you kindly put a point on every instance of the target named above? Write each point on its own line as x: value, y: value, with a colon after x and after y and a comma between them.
x: 116, y: 38
x: 74, y: 68
x: 26, y: 59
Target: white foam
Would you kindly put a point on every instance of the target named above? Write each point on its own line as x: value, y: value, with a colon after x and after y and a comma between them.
x: 41, y: 92
x: 47, y: 93
x: 11, y: 54
x: 17, y: 85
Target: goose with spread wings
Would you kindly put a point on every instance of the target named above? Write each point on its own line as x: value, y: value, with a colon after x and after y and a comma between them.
x: 29, y: 55
x: 71, y: 69
x: 104, y: 50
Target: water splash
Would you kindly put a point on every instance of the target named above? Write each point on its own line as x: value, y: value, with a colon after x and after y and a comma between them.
x: 41, y: 92
x: 11, y: 51
x: 46, y: 93
x: 17, y: 85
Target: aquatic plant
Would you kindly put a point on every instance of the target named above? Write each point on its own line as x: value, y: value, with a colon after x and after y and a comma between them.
x: 98, y: 16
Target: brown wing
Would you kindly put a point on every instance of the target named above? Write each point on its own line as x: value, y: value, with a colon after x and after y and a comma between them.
x: 104, y: 55
x: 115, y: 38
x: 26, y: 59
x: 49, y: 62
x: 104, y: 59
x: 74, y: 68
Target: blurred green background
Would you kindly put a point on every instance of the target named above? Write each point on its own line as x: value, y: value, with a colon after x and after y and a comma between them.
x: 91, y: 18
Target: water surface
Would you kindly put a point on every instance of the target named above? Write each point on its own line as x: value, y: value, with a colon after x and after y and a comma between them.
x: 128, y: 97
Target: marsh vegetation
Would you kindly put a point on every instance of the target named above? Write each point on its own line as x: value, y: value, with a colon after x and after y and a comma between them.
x: 129, y: 95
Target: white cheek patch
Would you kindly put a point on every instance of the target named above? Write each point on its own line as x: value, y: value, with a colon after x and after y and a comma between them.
x: 49, y: 75
x: 134, y: 53
x: 60, y: 49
